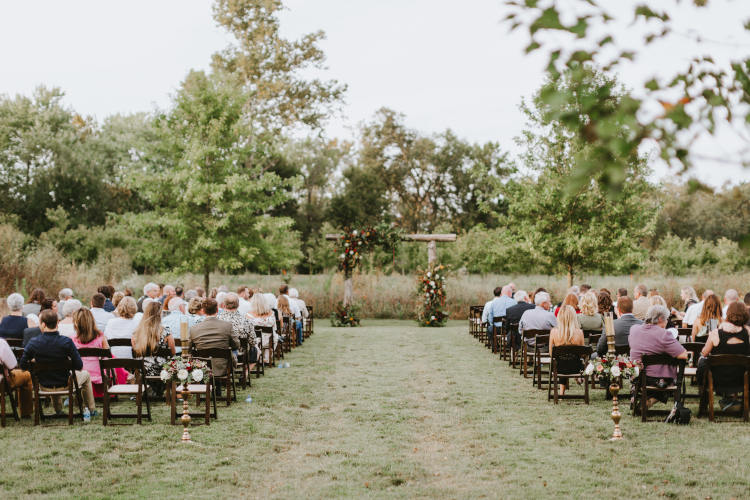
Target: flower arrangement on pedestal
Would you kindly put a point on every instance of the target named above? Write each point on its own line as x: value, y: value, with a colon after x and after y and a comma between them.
x: 619, y: 366
x: 193, y: 371
x: 431, y: 295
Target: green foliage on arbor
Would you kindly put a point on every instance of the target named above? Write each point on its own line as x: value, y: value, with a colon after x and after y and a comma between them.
x: 553, y: 228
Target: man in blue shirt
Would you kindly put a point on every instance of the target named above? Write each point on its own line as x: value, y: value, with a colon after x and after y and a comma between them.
x: 497, y: 308
x: 51, y: 347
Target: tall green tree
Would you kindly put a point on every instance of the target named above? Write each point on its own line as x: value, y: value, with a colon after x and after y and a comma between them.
x: 209, y: 183
x: 572, y: 232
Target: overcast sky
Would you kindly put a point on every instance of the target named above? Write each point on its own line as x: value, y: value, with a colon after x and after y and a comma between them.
x: 443, y: 63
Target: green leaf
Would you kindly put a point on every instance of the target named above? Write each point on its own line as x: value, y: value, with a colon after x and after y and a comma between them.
x: 647, y: 13
x: 652, y: 85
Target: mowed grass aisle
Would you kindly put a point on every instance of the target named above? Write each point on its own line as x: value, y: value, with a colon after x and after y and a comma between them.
x: 389, y: 410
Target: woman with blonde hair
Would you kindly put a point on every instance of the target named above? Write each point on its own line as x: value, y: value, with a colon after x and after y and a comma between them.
x: 287, y: 318
x: 4, y: 309
x: 122, y: 326
x: 690, y: 298
x: 590, y: 319
x: 710, y: 318
x: 148, y: 336
x: 116, y: 298
x: 195, y: 310
x: 567, y: 332
x: 262, y: 315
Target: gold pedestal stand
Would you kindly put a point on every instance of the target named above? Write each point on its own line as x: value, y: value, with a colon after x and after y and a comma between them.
x: 184, y: 338
x: 609, y: 327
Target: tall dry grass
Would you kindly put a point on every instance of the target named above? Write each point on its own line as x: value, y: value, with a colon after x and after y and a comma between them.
x: 392, y: 296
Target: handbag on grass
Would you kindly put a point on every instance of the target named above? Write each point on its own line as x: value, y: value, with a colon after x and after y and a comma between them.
x: 679, y: 414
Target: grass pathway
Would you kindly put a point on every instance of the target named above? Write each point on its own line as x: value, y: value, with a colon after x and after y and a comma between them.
x: 389, y: 410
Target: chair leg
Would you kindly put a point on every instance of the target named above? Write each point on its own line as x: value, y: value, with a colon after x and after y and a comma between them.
x: 70, y: 404
x: 138, y: 403
x: 644, y: 401
x: 2, y: 402
x: 105, y: 406
x: 586, y: 390
x: 549, y: 385
x: 710, y: 397
x: 556, y: 383
x: 173, y: 401
x: 148, y: 405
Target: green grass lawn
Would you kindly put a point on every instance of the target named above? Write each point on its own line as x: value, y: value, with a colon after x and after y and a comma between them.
x: 388, y: 410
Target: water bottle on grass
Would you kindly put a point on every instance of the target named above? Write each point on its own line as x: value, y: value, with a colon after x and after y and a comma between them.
x: 86, y: 415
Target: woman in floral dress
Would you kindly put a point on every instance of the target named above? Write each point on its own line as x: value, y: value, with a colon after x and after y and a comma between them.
x: 149, y: 335
x: 262, y: 315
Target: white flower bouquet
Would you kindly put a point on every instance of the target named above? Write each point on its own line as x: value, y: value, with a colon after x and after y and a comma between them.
x: 194, y: 371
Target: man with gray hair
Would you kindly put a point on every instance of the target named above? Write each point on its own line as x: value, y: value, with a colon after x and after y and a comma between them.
x: 63, y: 295
x: 730, y: 297
x: 652, y: 337
x: 190, y: 294
x: 13, y: 325
x: 539, y: 318
x: 177, y: 311
x: 294, y: 295
x: 150, y: 290
x: 497, y: 308
x: 169, y: 290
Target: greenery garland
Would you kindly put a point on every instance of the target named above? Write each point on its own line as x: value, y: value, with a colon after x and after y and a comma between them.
x: 431, y: 293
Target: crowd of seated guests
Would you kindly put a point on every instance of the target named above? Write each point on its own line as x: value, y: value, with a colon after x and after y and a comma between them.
x: 52, y: 330
x: 643, y: 323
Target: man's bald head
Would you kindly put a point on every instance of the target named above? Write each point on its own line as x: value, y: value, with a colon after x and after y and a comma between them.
x: 707, y: 294
x: 507, y: 290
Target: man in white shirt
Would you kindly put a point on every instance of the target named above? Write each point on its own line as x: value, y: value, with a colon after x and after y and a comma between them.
x: 284, y: 290
x: 177, y: 311
x: 101, y: 316
x: 695, y: 310
x: 730, y: 297
x: 150, y: 290
x: 294, y: 295
x: 244, y: 294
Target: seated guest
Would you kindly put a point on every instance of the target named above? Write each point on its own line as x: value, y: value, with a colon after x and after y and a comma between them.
x: 220, y: 297
x: 34, y: 305
x: 688, y: 296
x: 97, y: 309
x: 653, y: 338
x: 622, y: 292
x: 122, y: 326
x: 514, y: 313
x: 539, y: 318
x: 177, y: 311
x: 262, y: 315
x: 66, y: 328
x: 215, y: 333
x: 657, y: 300
x: 87, y: 335
x: 653, y: 292
x: 730, y: 297
x: 201, y: 292
x: 287, y: 319
x: 604, y: 304
x: 165, y: 306
x: 13, y: 325
x: 106, y: 290
x: 51, y: 347
x: 30, y: 333
x: 189, y: 295
x: 245, y: 294
x: 498, y: 306
x: 296, y: 313
x: 570, y: 300
x: 625, y: 322
x: 574, y: 290
x: 709, y: 319
x: 4, y: 309
x: 567, y: 332
x: 169, y: 291
x: 148, y: 336
x: 640, y: 302
x: 178, y: 291
x: 695, y: 310
x: 242, y: 327
x: 116, y: 298
x: 150, y: 290
x: 195, y: 310
x: 48, y: 303
x: 731, y: 337
x: 62, y: 296
x: 18, y: 379
x: 294, y: 295
x: 590, y: 319
x: 584, y: 290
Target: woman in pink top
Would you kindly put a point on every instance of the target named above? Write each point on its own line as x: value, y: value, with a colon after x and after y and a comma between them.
x: 86, y: 335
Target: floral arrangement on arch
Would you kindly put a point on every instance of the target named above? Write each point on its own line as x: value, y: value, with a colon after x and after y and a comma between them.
x: 345, y: 316
x: 195, y: 371
x: 619, y: 366
x: 431, y: 293
x: 352, y: 246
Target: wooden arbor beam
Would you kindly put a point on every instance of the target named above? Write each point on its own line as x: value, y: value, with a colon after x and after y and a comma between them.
x: 431, y: 240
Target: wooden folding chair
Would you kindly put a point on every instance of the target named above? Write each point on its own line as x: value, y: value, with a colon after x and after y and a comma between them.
x: 691, y: 371
x: 561, y: 352
x: 307, y: 325
x: 498, y: 342
x: 246, y: 366
x: 527, y: 356
x: 540, y: 360
x: 688, y: 333
x: 271, y: 347
x: 98, y: 353
x: 160, y: 352
x: 707, y: 389
x: 196, y: 390
x: 73, y: 391
x: 512, y: 347
x: 6, y: 390
x: 643, y: 389
x: 15, y: 343
x: 587, y: 334
x: 139, y: 389
x: 220, y: 353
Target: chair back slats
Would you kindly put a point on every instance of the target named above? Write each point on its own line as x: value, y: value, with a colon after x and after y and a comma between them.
x: 15, y: 342
x: 128, y: 364
x: 661, y: 359
x: 57, y: 366
x: 160, y: 352
x: 119, y: 342
x: 530, y: 334
x: 215, y: 352
x: 567, y: 350
x: 728, y: 360
x: 94, y: 352
x: 685, y: 331
x: 542, y: 339
x: 587, y: 334
x: 622, y: 350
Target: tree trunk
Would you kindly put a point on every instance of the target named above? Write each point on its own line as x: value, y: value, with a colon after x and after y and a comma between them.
x: 348, y: 291
x: 570, y: 277
x: 206, y: 274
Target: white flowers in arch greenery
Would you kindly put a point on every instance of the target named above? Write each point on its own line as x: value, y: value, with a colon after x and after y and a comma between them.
x: 431, y: 294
